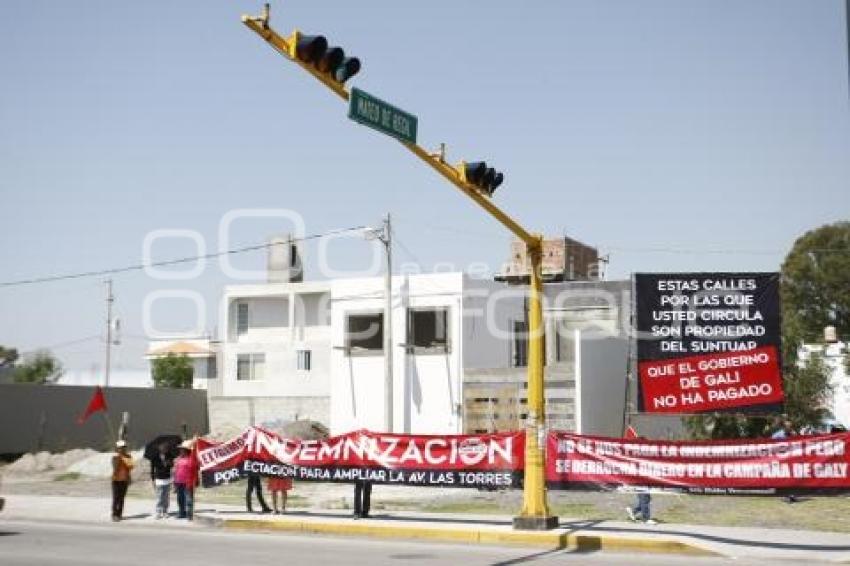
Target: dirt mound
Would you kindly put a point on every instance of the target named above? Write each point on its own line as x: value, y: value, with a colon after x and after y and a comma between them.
x: 301, y: 429
x: 99, y: 465
x: 43, y: 462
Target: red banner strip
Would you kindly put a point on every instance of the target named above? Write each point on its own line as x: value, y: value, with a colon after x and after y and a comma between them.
x: 804, y: 462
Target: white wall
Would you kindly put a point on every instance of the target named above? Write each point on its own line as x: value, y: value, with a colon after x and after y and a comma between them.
x: 427, y: 391
x: 271, y: 309
x: 268, y: 319
x: 281, y: 376
x: 601, y: 365
x: 432, y: 387
x: 117, y: 377
x: 490, y: 309
x: 357, y: 382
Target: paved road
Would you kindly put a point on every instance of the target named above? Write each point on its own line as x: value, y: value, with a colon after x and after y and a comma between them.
x: 24, y: 543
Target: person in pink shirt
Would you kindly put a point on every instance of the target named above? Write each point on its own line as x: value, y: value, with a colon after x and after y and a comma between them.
x: 185, y: 480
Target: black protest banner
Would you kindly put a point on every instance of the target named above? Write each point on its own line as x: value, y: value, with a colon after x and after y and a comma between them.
x: 708, y: 342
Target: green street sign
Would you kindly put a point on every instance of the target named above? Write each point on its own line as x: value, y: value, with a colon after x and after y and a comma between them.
x: 378, y: 115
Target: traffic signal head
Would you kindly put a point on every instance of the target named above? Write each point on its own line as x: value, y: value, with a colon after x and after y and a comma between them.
x: 310, y: 48
x: 331, y: 61
x: 349, y: 67
x: 482, y: 177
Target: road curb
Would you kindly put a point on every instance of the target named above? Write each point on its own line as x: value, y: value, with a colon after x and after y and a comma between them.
x: 551, y: 540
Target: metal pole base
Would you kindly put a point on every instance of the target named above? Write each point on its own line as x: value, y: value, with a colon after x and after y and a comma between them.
x: 535, y: 523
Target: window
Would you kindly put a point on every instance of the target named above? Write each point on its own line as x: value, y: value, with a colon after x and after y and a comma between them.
x: 304, y: 359
x: 241, y: 318
x: 520, y: 348
x: 428, y: 330
x: 212, y: 368
x: 250, y: 367
x: 520, y: 344
x: 364, y: 333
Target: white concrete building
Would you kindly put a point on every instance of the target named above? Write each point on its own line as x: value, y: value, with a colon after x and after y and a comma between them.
x: 274, y: 355
x: 444, y: 325
x: 834, y: 356
x: 315, y: 350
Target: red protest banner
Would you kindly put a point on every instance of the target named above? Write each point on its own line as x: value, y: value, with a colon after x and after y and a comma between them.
x: 711, y: 382
x: 742, y: 466
x: 488, y: 460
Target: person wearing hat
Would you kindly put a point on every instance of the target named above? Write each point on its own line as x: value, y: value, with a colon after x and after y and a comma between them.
x: 185, y: 480
x: 122, y: 464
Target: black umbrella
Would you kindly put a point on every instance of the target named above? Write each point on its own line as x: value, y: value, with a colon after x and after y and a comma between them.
x: 172, y: 441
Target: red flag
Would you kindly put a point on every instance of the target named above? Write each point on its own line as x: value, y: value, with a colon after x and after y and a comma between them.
x: 630, y: 432
x: 97, y: 403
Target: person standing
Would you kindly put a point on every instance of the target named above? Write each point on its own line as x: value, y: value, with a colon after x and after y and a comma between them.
x: 122, y: 464
x: 362, y: 498
x: 161, y: 466
x: 185, y: 481
x: 642, y: 509
x: 255, y: 484
x: 279, y: 486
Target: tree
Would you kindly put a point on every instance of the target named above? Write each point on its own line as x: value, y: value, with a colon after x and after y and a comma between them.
x: 814, y: 293
x: 40, y: 368
x: 725, y: 425
x: 807, y: 391
x: 815, y: 283
x: 8, y: 356
x: 173, y: 371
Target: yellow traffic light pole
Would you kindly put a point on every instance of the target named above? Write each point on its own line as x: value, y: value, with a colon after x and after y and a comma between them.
x: 535, y: 514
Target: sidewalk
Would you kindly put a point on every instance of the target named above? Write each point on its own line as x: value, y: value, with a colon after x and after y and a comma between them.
x: 695, y: 540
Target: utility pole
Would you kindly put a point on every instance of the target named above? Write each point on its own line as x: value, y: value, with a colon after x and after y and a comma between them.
x: 384, y: 235
x: 477, y: 181
x: 109, y: 300
x: 386, y: 239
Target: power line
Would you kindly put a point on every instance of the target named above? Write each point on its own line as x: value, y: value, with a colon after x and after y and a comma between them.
x: 141, y: 266
x: 721, y: 251
x: 730, y: 251
x: 691, y: 251
x: 404, y: 248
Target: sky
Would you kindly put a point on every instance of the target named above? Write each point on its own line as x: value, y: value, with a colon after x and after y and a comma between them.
x: 673, y: 135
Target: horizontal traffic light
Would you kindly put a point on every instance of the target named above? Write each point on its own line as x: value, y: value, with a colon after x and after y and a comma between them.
x: 310, y: 48
x: 481, y: 176
x: 331, y: 61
